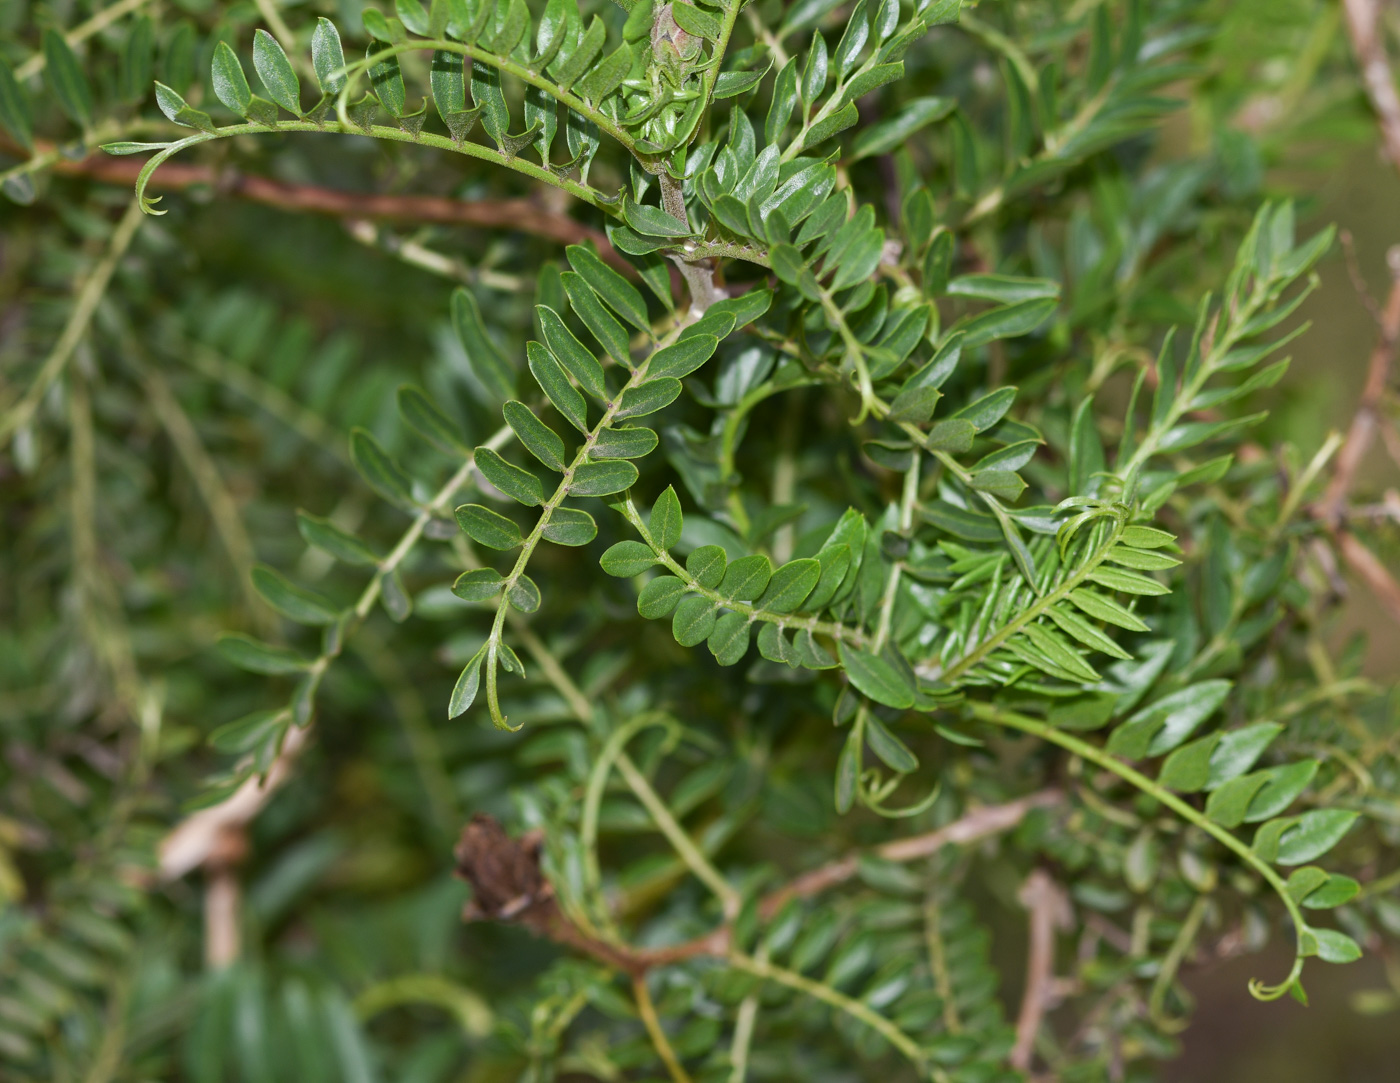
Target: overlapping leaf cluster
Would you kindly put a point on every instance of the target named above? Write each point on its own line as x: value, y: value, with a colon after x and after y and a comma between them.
x: 906, y: 445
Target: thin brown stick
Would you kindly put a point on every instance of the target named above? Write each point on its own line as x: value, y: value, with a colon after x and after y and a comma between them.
x: 978, y: 824
x: 1365, y: 29
x: 508, y: 886
x: 525, y: 215
x: 1368, y: 411
x: 1046, y: 905
x: 1366, y: 565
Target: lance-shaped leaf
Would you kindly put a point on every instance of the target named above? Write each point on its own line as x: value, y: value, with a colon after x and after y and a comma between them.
x: 556, y: 386
x: 15, y: 113
x: 876, y: 677
x: 666, y: 521
x: 375, y: 465
x: 488, y: 528
x: 515, y: 481
x: 230, y: 84
x: 571, y: 353
x: 327, y: 57
x: 617, y: 293
x: 65, y: 77
x: 490, y: 368
x: 292, y: 600
x: 603, y: 479
x: 425, y: 418
x: 653, y: 221
x: 534, y: 435
x: 275, y: 71
x: 339, y: 543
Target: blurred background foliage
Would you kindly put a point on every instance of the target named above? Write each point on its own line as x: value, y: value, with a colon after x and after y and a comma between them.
x: 234, y: 349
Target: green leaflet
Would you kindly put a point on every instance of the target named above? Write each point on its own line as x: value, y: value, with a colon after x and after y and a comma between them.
x: 746, y: 578
x: 603, y: 479
x: 556, y: 386
x: 626, y: 559
x: 488, y: 528
x: 647, y: 398
x: 293, y: 601
x: 876, y: 677
x: 384, y: 475
x: 789, y: 586
x: 66, y: 79
x: 653, y: 221
x: 327, y: 57
x: 628, y: 442
x: 339, y: 543
x: 729, y: 640
x: 534, y: 435
x: 595, y: 316
x: 570, y: 526
x: 571, y: 353
x: 15, y: 113
x: 258, y: 657
x: 665, y: 521
x: 1167, y: 723
x: 275, y: 71
x: 615, y: 291
x: 478, y: 585
x: 706, y: 565
x: 693, y: 621
x: 683, y: 358
x: 230, y: 84
x: 487, y: 364
x: 423, y: 415
x: 516, y: 482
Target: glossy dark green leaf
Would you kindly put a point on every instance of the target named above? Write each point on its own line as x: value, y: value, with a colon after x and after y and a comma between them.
x: 386, y: 77
x: 595, y: 316
x: 1127, y: 582
x: 488, y: 528
x: 1009, y: 321
x: 383, y: 474
x: 746, y: 578
x: 683, y: 358
x: 783, y: 101
x: 64, y: 74
x: 448, y: 81
x: 603, y: 479
x: 1144, y: 560
x: 989, y: 409
x: 1102, y: 607
x: 833, y: 124
x: 1004, y: 289
x: 706, y: 565
x: 653, y: 221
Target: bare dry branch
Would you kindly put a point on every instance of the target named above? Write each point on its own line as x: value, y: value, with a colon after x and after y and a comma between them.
x: 1364, y: 27
x: 1049, y: 910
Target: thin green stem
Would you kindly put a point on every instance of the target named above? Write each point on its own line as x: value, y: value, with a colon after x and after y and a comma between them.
x: 721, y: 46
x: 647, y: 1010
x: 986, y: 712
x: 1037, y: 609
x: 827, y: 995
x: 695, y: 860
x: 84, y: 305
x: 591, y: 196
x: 906, y: 524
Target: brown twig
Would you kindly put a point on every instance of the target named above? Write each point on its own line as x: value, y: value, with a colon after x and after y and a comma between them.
x: 507, y: 884
x: 1048, y: 910
x: 1364, y: 27
x: 525, y: 215
x: 1368, y: 411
